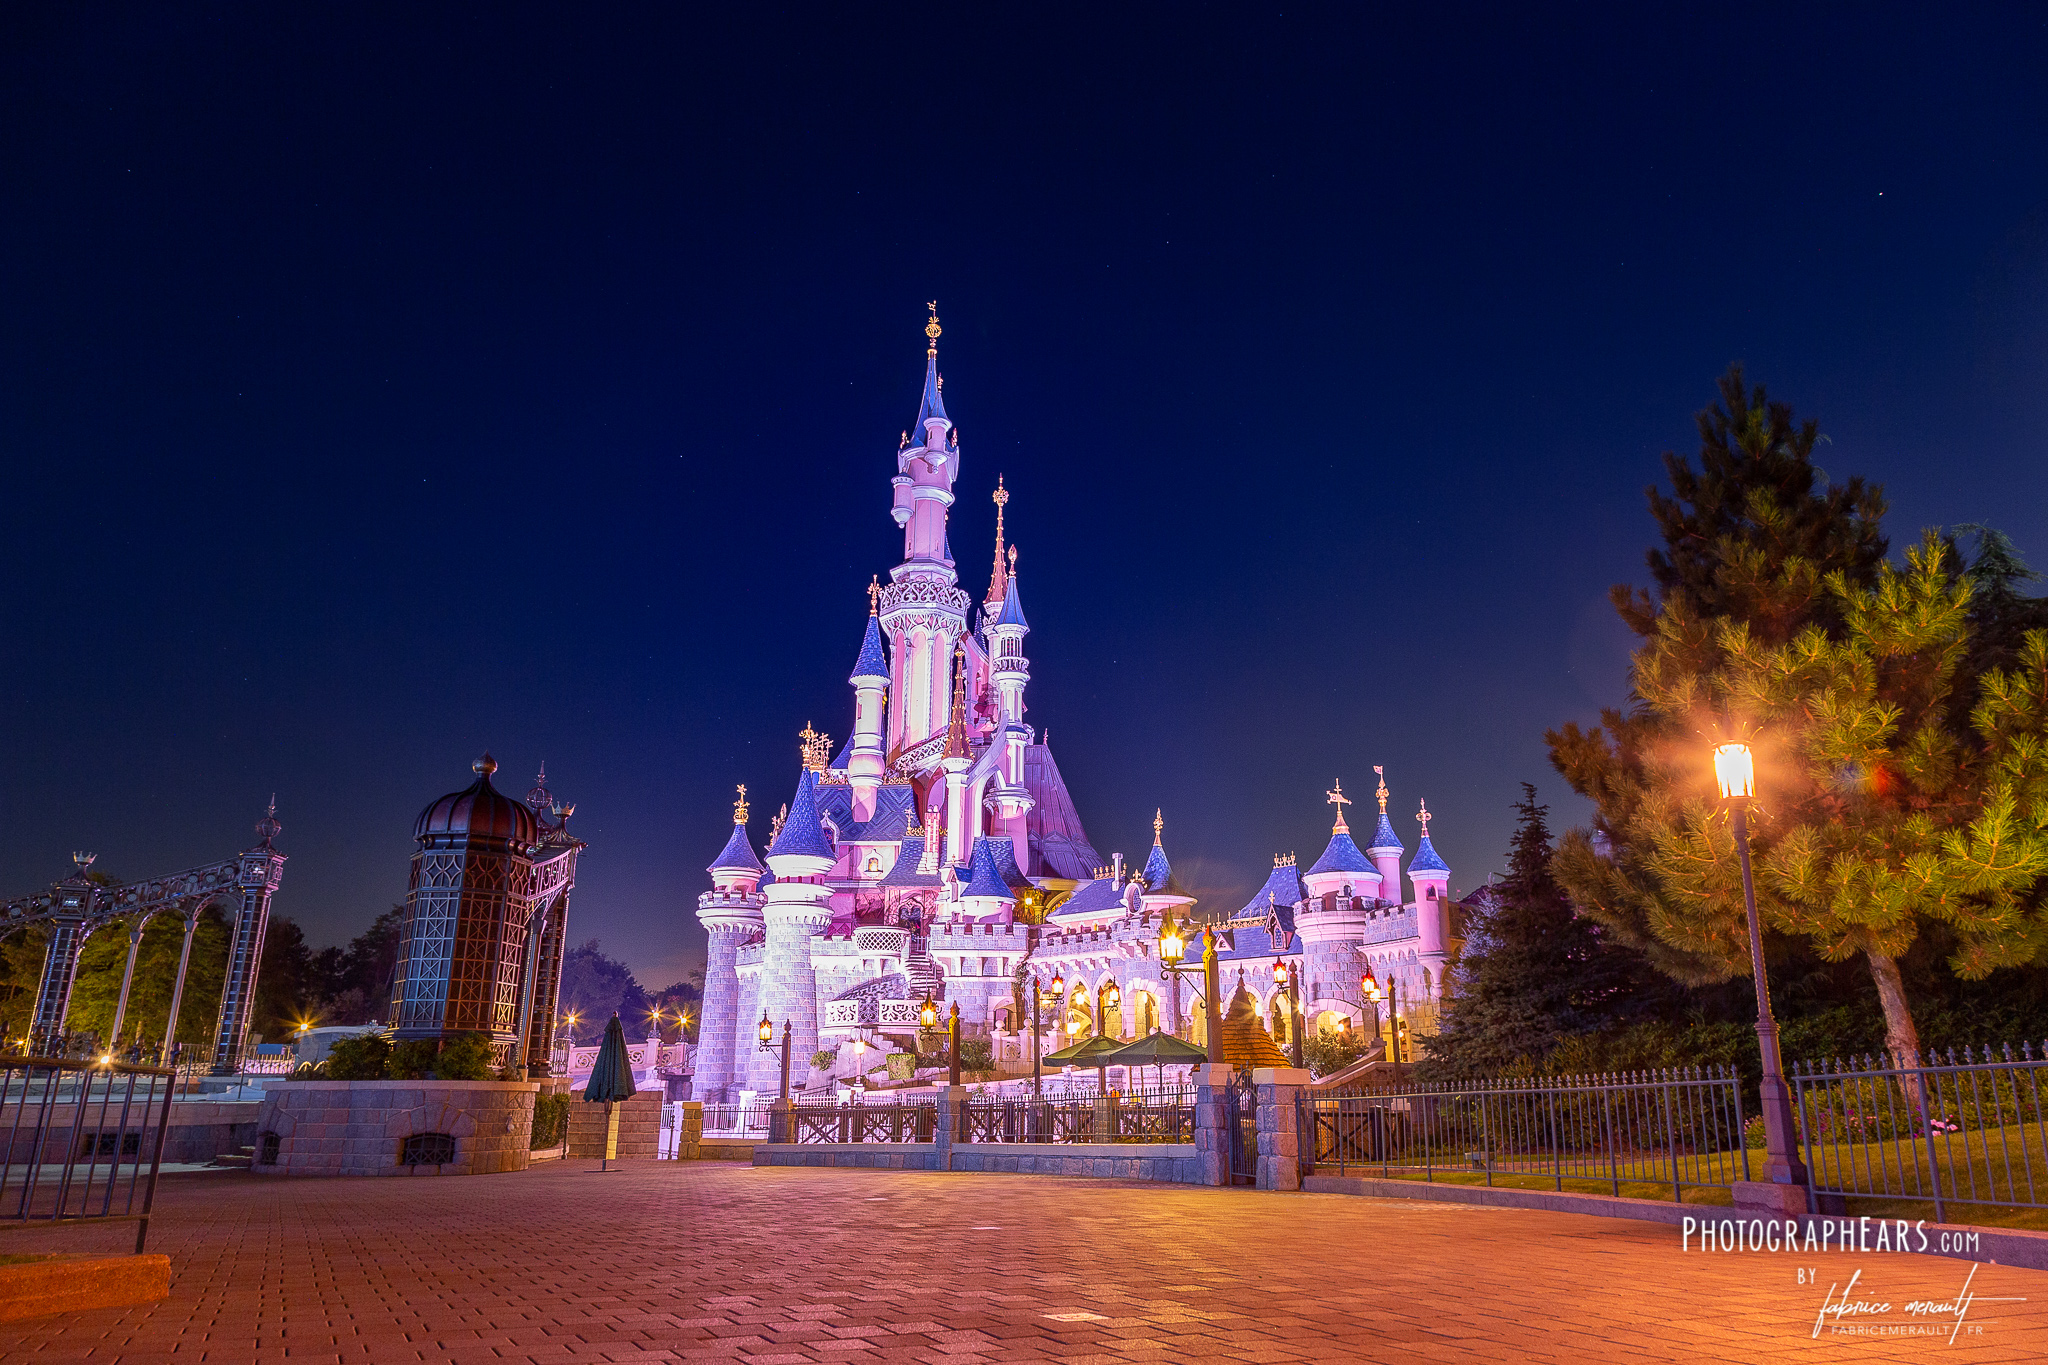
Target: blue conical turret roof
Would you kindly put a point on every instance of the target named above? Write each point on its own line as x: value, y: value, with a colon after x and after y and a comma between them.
x: 1427, y: 859
x: 933, y: 405
x: 1342, y: 856
x: 737, y: 855
x: 1282, y: 888
x: 1384, y: 840
x: 1012, y: 613
x: 984, y: 877
x: 872, y: 663
x: 801, y: 832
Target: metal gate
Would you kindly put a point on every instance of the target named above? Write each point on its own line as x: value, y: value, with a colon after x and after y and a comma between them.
x: 1241, y: 1121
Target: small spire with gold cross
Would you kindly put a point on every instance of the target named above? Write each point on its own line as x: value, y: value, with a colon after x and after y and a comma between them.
x: 874, y: 594
x: 1423, y: 818
x: 739, y: 807
x: 931, y: 330
x: 1381, y: 773
x: 1158, y: 825
x: 1337, y: 798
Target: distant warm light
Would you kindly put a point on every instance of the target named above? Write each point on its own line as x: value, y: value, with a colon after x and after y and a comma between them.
x: 1736, y: 772
x: 1173, y: 947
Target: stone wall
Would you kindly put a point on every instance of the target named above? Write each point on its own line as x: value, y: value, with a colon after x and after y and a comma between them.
x: 360, y: 1127
x: 639, y: 1126
x: 200, y: 1130
x: 1168, y: 1162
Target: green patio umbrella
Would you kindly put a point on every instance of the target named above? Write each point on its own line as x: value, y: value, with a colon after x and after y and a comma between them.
x: 1087, y: 1052
x: 611, y: 1080
x: 1157, y: 1049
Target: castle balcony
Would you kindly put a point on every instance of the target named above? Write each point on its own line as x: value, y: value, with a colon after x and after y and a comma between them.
x: 851, y: 1016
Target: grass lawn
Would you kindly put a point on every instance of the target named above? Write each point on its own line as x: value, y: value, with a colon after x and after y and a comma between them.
x: 2008, y: 1164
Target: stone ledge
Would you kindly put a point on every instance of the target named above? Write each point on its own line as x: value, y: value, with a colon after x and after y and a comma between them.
x: 77, y: 1284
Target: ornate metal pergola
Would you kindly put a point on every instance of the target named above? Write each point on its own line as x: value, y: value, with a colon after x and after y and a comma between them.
x: 78, y: 907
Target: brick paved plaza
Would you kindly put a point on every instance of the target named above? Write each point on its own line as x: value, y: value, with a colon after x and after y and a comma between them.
x: 703, y: 1261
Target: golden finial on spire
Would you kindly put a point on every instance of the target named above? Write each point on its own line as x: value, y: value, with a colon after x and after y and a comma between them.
x: 775, y: 825
x: 874, y: 594
x: 1423, y: 819
x: 931, y: 329
x: 998, y: 580
x: 1381, y: 773
x: 814, y: 747
x: 1338, y: 799
x: 739, y: 807
x: 1158, y: 825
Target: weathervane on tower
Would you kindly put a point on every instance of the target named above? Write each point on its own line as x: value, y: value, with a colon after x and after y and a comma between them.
x: 739, y: 807
x: 1338, y: 799
x: 931, y: 330
x: 1381, y: 773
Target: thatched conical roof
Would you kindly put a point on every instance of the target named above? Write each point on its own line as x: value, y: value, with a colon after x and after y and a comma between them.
x: 1244, y: 1042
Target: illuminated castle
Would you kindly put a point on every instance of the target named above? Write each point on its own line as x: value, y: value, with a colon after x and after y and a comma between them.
x: 939, y: 854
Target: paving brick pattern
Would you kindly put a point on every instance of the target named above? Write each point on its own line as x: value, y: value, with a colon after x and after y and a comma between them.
x: 700, y: 1261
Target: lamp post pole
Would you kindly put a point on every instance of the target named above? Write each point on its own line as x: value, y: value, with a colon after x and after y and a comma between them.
x: 1037, y: 1071
x: 1394, y: 1016
x: 1736, y: 772
x: 1288, y: 974
x: 1211, y: 1024
x: 785, y: 1061
x: 953, y: 1048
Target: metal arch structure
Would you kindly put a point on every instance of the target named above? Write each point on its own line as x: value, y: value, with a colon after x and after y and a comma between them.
x: 77, y: 907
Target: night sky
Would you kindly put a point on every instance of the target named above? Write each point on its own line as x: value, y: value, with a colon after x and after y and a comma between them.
x: 378, y: 388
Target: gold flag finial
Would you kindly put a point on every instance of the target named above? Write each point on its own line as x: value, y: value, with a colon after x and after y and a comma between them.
x: 1381, y: 773
x: 874, y: 594
x: 1423, y: 819
x: 931, y: 329
x: 1337, y: 798
x: 1158, y: 825
x: 739, y: 807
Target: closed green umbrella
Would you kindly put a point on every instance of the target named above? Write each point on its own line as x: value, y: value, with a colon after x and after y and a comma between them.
x: 611, y: 1080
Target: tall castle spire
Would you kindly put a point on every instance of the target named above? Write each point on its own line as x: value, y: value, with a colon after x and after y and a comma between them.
x: 998, y: 579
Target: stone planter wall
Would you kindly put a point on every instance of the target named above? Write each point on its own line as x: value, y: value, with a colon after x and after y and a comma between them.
x: 639, y: 1126
x: 360, y: 1127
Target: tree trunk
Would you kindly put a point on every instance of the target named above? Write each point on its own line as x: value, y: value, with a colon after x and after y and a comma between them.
x: 1900, y: 1037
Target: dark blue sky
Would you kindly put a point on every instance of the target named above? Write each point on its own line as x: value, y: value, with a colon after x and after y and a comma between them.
x: 376, y: 388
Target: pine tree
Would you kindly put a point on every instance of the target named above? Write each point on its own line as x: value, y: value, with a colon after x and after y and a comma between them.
x: 1897, y: 787
x: 1534, y: 971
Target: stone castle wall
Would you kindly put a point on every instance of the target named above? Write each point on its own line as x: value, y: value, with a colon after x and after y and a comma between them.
x: 360, y: 1127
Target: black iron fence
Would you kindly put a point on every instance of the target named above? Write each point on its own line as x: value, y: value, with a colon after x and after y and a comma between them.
x: 1947, y: 1129
x: 856, y: 1121
x: 1138, y: 1116
x: 81, y: 1141
x: 1651, y: 1133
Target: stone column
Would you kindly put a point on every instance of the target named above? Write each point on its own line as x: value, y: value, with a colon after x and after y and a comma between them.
x: 952, y: 1104
x: 1212, y: 1125
x: 1280, y: 1138
x: 689, y: 1129
x: 719, y: 1022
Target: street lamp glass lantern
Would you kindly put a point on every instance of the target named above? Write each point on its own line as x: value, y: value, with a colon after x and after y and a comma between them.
x: 928, y: 1015
x: 767, y: 1029
x: 1110, y: 995
x: 1369, y: 987
x: 1172, y: 946
x: 1059, y: 982
x: 1279, y: 972
x: 1735, y: 770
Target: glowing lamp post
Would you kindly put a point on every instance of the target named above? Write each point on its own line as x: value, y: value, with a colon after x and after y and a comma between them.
x: 1735, y: 771
x: 1286, y: 974
x: 1371, y: 989
x: 766, y: 1031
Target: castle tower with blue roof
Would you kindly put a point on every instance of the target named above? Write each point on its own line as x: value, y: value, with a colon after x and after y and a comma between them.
x: 940, y: 853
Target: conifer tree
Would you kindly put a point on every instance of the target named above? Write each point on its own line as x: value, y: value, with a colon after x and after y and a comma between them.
x: 1896, y: 787
x: 1534, y: 971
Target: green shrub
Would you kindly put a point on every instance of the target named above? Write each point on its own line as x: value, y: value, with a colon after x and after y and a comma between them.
x: 464, y: 1057
x: 902, y: 1065
x: 977, y: 1054
x: 822, y: 1060
x: 412, y: 1060
x: 550, y: 1121
x: 366, y: 1057
x: 1329, y: 1052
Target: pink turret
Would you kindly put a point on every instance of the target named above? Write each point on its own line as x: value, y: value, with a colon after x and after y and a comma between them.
x: 922, y: 610
x: 1386, y: 847
x: 866, y: 762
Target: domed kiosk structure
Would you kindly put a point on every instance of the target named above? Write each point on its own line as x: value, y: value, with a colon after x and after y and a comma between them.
x: 486, y: 919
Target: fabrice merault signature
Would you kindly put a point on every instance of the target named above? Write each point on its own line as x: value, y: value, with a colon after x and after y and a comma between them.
x: 1844, y: 1313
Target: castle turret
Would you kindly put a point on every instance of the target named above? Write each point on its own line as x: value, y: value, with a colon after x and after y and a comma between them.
x: 921, y: 610
x: 1159, y: 889
x: 1004, y: 628
x: 731, y: 915
x: 797, y: 908
x: 987, y: 898
x: 1342, y: 864
x: 1432, y: 879
x: 961, y: 821
x: 866, y: 761
x: 1386, y: 848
